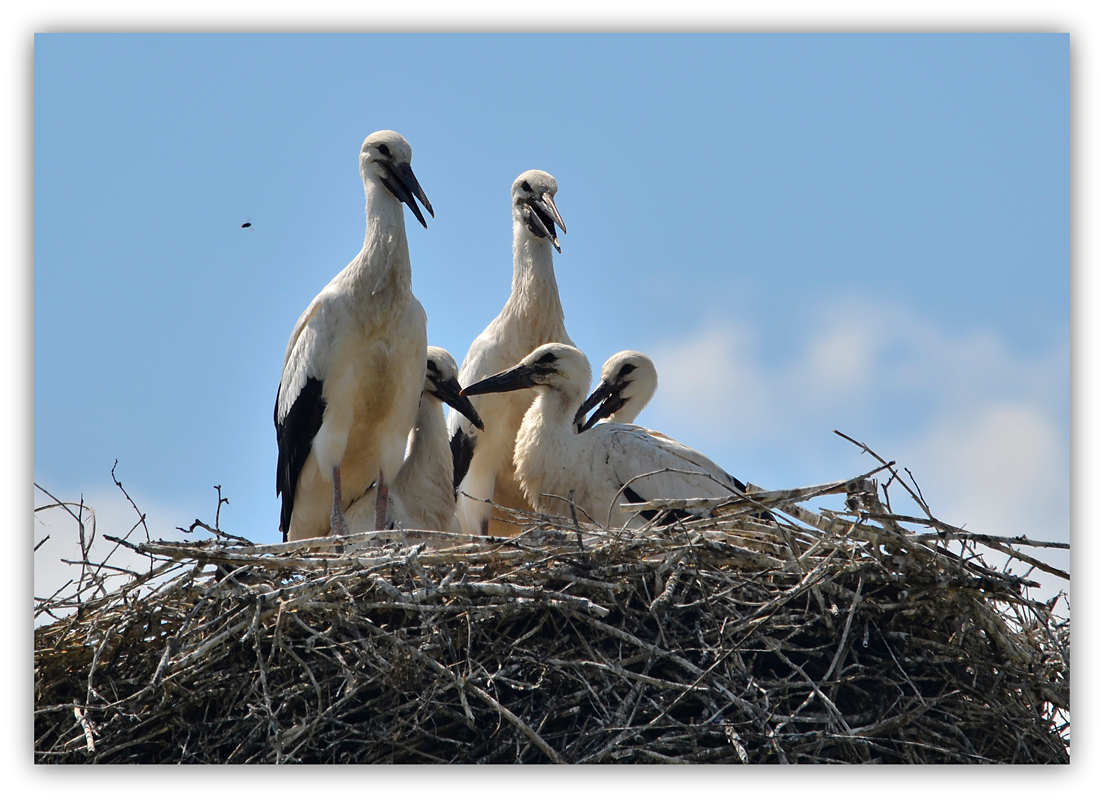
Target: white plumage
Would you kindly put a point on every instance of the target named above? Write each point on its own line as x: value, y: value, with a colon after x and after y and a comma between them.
x: 532, y: 316
x: 605, y: 466
x: 627, y: 383
x: 355, y: 362
x: 421, y: 496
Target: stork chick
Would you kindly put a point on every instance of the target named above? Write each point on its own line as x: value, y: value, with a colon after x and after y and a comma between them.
x: 422, y: 496
x: 628, y: 381
x: 605, y: 465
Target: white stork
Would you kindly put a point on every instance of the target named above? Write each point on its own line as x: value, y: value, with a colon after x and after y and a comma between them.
x: 532, y: 316
x: 355, y: 363
x: 628, y: 381
x: 422, y: 496
x: 604, y: 466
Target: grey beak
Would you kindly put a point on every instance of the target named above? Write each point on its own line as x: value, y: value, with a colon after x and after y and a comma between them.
x: 402, y: 183
x: 448, y: 391
x: 544, y: 217
x: 548, y: 207
x: 608, y: 394
x: 522, y: 376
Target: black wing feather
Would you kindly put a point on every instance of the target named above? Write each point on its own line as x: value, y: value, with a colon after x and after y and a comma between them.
x: 294, y: 436
x: 668, y: 517
x: 766, y: 516
x: 463, y: 448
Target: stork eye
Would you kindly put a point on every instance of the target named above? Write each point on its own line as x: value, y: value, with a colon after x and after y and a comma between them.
x: 547, y: 358
x: 431, y: 366
x: 384, y: 151
x: 525, y: 185
x: 625, y: 370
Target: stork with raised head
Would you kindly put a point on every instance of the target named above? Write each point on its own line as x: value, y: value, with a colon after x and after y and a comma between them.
x: 483, y: 462
x: 627, y: 383
x: 355, y: 362
x: 422, y: 496
x: 604, y: 466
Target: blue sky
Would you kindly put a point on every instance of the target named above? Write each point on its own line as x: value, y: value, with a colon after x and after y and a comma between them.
x: 807, y: 232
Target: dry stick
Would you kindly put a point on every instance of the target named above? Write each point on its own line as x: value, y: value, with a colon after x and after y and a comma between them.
x: 1042, y: 565
x: 575, y: 519
x: 915, y: 496
x: 833, y: 668
x: 440, y: 669
x: 141, y: 516
x: 90, y: 741
x: 621, y: 672
x: 80, y: 530
x: 981, y: 538
x: 273, y: 727
x: 767, y: 499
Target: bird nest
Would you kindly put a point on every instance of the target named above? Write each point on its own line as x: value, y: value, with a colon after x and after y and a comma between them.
x: 858, y: 635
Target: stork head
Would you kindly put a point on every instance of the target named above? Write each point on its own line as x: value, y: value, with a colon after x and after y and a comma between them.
x: 553, y: 367
x: 533, y: 194
x: 385, y: 156
x: 442, y: 382
x: 628, y: 381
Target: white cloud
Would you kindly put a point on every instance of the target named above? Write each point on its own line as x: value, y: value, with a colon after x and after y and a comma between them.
x: 984, y: 429
x: 1008, y: 466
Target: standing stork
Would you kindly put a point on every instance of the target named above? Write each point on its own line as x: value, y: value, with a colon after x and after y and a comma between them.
x: 355, y: 362
x: 483, y: 462
x: 422, y: 496
x: 604, y: 466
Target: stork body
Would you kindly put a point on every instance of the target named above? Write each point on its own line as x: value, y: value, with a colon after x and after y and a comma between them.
x: 604, y: 466
x: 483, y: 462
x: 355, y: 362
x: 422, y: 496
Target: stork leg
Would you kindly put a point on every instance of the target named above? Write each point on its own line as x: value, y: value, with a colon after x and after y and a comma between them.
x: 381, y: 503
x: 339, y: 526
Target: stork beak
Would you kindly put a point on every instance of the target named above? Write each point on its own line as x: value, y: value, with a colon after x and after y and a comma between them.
x: 544, y: 218
x: 611, y: 401
x: 402, y: 183
x: 547, y: 207
x: 449, y: 392
x: 523, y: 376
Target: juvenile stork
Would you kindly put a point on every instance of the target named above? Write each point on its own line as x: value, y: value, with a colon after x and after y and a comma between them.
x: 628, y: 381
x: 483, y: 462
x: 604, y: 466
x: 422, y: 496
x: 355, y: 362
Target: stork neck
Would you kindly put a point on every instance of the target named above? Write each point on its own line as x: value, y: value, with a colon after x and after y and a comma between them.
x: 384, y: 261
x: 430, y: 422
x: 555, y: 410
x: 534, y: 290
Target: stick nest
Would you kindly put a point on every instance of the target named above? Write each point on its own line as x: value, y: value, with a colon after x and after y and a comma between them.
x: 837, y: 636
